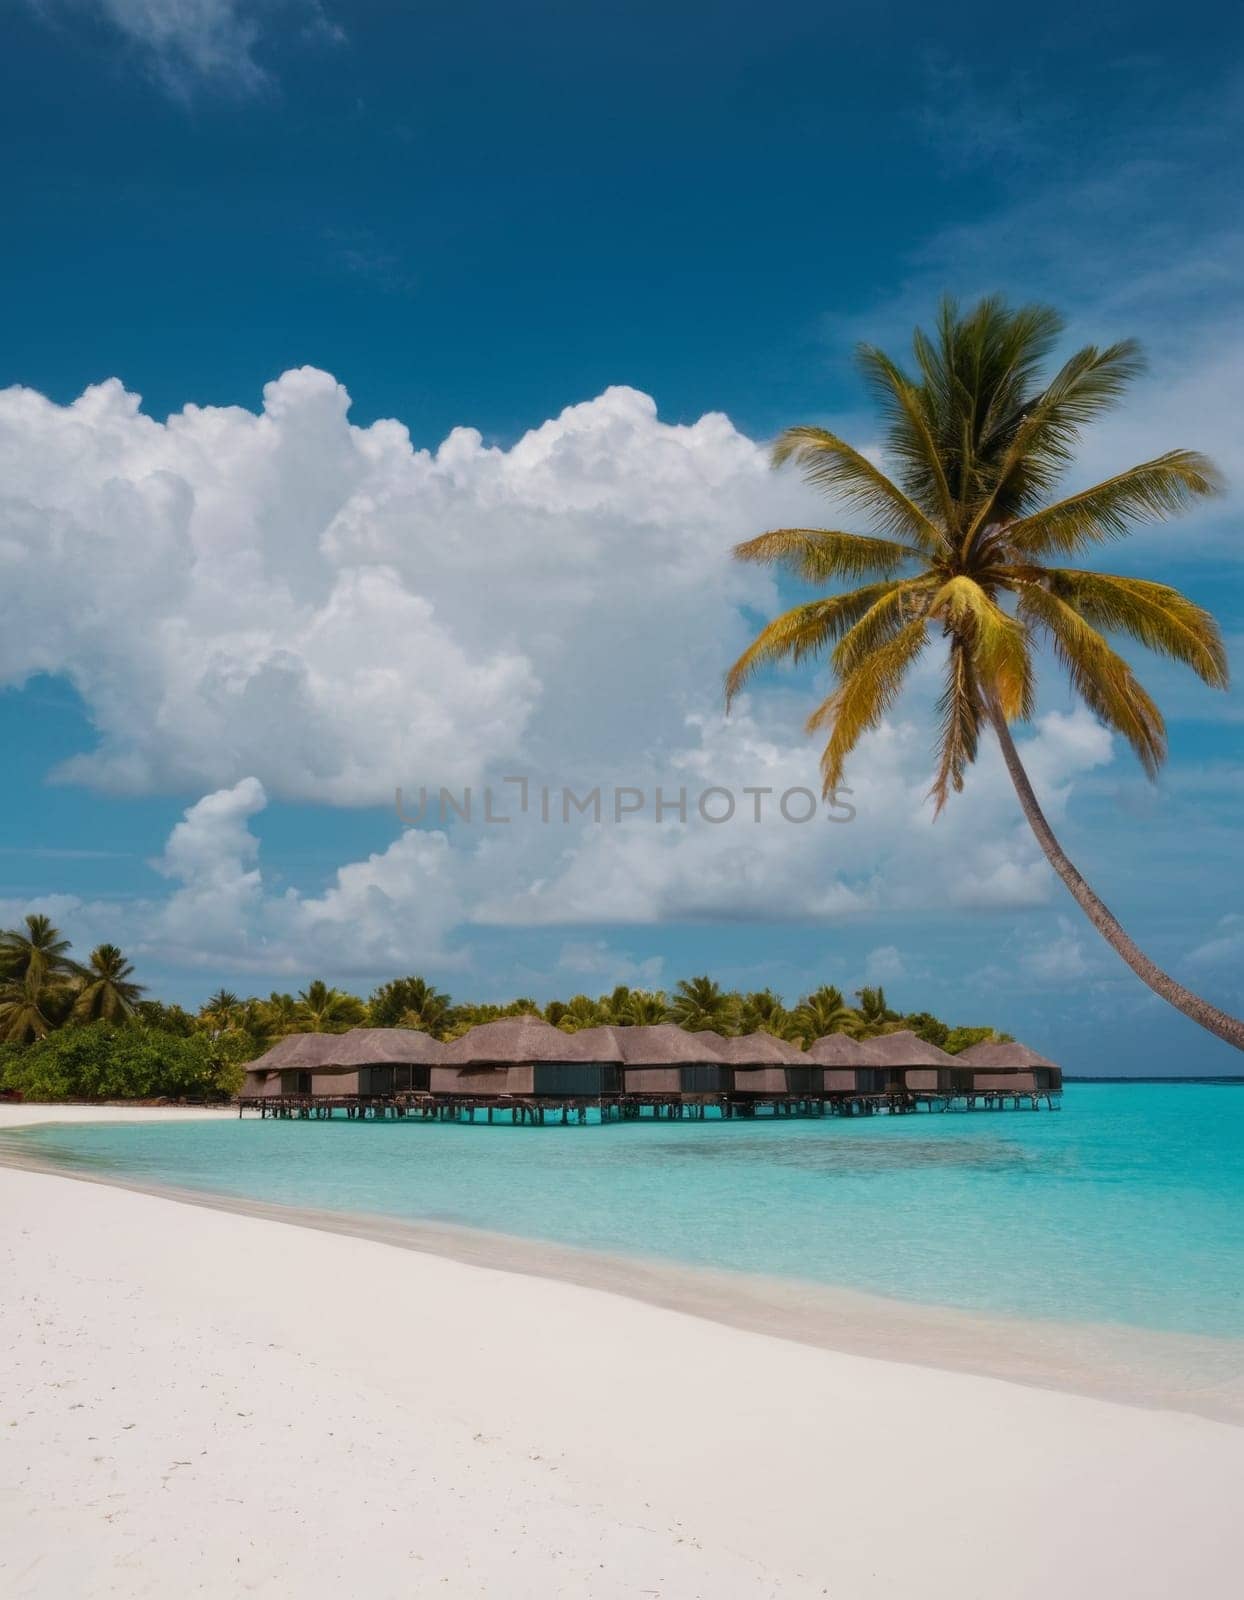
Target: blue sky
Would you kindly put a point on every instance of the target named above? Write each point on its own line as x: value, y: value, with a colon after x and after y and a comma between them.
x: 474, y: 218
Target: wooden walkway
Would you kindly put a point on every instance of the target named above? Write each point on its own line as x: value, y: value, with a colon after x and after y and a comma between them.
x: 544, y: 1110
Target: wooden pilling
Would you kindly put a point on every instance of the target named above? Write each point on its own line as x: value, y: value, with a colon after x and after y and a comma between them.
x: 543, y: 1111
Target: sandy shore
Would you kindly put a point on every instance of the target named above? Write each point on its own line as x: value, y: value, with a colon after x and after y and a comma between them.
x: 201, y: 1402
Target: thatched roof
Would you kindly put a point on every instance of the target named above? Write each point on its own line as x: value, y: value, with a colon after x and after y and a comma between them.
x: 515, y: 1040
x: 1010, y: 1056
x: 373, y: 1047
x: 359, y: 1047
x: 296, y: 1051
x: 841, y: 1050
x: 907, y: 1050
x: 598, y: 1044
x: 761, y: 1050
x: 663, y: 1044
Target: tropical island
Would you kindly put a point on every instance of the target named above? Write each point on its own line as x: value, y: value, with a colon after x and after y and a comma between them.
x: 86, y: 1031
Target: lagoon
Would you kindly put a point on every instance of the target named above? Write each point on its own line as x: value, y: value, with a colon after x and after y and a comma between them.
x: 1125, y: 1207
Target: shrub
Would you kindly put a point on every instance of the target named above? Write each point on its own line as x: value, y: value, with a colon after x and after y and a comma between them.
x: 127, y: 1062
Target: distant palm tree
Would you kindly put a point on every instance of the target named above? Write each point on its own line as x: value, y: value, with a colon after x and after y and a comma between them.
x: 980, y: 440
x: 39, y: 949
x: 409, y: 1003
x: 762, y: 1011
x: 24, y: 1008
x: 644, y: 1008
x: 700, y: 1003
x: 822, y: 1012
x: 278, y: 1015
x: 325, y: 1010
x: 221, y: 1011
x: 107, y: 994
x: 37, y: 976
x: 873, y: 1014
x: 580, y: 1011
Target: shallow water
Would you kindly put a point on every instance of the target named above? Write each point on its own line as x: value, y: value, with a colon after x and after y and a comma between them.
x: 1126, y: 1206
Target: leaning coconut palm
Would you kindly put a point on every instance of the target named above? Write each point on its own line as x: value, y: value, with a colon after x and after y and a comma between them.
x: 980, y: 440
x: 107, y: 994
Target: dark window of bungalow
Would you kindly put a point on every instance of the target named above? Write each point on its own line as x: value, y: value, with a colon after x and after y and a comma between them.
x: 585, y: 1078
x: 702, y: 1079
x: 303, y: 1080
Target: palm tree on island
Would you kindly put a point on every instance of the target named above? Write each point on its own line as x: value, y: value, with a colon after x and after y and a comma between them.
x: 108, y: 993
x: 979, y: 442
x: 37, y: 979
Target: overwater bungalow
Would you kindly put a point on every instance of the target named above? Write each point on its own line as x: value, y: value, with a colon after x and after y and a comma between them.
x: 847, y: 1066
x: 362, y: 1061
x: 371, y: 1061
x: 1008, y: 1067
x: 526, y: 1056
x: 288, y: 1068
x: 527, y: 1066
x: 768, y: 1067
x: 663, y: 1059
x: 913, y: 1065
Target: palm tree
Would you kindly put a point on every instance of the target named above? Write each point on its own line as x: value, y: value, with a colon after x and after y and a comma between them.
x: 325, y: 1010
x: 580, y: 1011
x: 700, y: 1003
x: 762, y: 1011
x: 37, y: 949
x: 979, y: 440
x: 107, y: 994
x: 37, y: 976
x: 24, y: 1009
x: 220, y: 1011
x: 644, y: 1008
x: 277, y: 1015
x: 409, y: 1003
x: 873, y: 1014
x: 822, y: 1012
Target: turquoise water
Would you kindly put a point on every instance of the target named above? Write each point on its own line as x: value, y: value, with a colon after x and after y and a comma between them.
x: 1126, y: 1206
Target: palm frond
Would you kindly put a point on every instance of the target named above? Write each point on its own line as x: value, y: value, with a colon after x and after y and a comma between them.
x: 996, y: 642
x: 910, y: 434
x: 803, y: 631
x: 1100, y: 676
x: 1149, y: 492
x: 904, y: 601
x: 1161, y: 618
x: 817, y: 555
x: 1042, y: 437
x: 862, y: 699
x: 959, y: 709
x: 829, y: 463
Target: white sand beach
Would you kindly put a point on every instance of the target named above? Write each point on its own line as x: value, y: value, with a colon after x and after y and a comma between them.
x: 202, y: 1402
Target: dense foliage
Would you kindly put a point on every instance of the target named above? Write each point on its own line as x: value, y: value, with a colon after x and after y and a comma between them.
x: 125, y: 1061
x: 70, y: 1032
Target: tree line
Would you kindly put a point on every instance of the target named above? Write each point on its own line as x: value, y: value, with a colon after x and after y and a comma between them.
x: 87, y: 1030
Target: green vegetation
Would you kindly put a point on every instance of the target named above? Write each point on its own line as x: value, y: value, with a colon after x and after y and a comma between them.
x: 966, y: 548
x: 70, y: 1032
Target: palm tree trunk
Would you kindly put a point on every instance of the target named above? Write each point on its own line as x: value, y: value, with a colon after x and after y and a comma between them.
x: 1218, y: 1022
